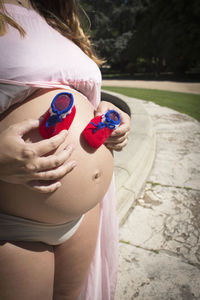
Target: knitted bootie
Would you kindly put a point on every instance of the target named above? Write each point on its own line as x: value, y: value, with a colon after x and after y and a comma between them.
x: 100, y: 128
x: 59, y: 116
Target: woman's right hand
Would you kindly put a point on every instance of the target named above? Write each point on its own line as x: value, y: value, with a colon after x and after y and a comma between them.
x: 24, y: 163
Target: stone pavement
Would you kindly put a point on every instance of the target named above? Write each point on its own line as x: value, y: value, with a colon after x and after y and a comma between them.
x: 160, y: 237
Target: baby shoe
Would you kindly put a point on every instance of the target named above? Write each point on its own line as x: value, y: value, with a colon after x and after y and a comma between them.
x: 100, y: 128
x: 59, y: 116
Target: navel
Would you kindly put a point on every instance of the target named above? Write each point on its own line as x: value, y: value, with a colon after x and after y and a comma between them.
x: 97, y: 175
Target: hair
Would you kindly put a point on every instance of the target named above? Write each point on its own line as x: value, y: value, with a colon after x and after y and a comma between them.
x: 63, y: 16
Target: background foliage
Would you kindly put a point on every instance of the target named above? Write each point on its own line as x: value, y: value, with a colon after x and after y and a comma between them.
x: 146, y: 35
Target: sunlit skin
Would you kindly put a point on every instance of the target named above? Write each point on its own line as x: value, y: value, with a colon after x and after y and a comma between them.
x: 81, y: 189
x: 74, y: 183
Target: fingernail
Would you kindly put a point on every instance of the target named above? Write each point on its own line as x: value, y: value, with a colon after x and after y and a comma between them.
x: 114, y: 133
x: 73, y: 164
x: 69, y: 147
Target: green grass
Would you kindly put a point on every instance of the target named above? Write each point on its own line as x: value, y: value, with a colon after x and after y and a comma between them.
x: 188, y: 104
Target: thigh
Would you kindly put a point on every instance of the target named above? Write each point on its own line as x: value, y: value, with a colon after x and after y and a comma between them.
x: 72, y: 258
x: 26, y: 271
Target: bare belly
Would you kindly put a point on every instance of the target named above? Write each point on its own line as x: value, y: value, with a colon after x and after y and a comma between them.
x: 81, y: 189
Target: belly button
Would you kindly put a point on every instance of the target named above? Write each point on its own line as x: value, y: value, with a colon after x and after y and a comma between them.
x: 97, y: 175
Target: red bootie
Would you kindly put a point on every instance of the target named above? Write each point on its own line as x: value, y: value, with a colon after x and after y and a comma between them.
x: 59, y: 116
x: 100, y: 128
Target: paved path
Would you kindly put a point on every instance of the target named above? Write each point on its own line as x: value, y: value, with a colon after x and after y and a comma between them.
x: 184, y: 87
x: 160, y: 240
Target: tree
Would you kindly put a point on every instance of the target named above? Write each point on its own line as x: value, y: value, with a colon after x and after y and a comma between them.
x: 171, y: 33
x: 112, y: 28
x: 158, y: 35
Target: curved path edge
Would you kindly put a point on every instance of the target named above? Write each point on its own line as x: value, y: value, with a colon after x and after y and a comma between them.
x: 134, y: 163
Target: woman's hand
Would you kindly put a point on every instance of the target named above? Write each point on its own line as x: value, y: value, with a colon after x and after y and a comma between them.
x: 119, y: 137
x: 24, y: 163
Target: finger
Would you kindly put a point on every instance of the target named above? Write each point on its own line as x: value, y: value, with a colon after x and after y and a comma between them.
x: 45, y: 146
x: 117, y: 147
x: 118, y: 137
x: 41, y: 188
x: 116, y: 140
x: 121, y: 130
x: 125, y: 120
x: 103, y: 107
x: 25, y: 126
x: 51, y: 161
x: 57, y: 173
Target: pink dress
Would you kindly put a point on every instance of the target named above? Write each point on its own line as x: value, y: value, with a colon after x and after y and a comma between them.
x: 46, y: 59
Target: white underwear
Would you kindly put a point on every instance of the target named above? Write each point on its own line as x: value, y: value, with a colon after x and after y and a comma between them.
x: 14, y: 229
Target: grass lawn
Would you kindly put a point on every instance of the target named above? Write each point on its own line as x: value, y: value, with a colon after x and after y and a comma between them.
x: 185, y: 103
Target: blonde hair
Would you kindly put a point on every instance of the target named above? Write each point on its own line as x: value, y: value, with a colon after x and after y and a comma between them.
x: 5, y: 19
x: 63, y: 16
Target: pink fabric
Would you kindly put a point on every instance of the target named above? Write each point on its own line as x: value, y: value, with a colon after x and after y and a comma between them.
x: 45, y: 59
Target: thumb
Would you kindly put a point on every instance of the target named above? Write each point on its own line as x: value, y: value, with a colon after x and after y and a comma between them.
x: 25, y: 126
x: 101, y: 110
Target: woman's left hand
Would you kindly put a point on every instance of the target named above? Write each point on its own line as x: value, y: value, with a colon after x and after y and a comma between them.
x: 119, y: 137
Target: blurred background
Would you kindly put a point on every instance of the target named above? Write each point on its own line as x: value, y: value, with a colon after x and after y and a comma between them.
x: 146, y: 39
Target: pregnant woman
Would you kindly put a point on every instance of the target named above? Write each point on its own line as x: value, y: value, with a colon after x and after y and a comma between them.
x: 58, y: 227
